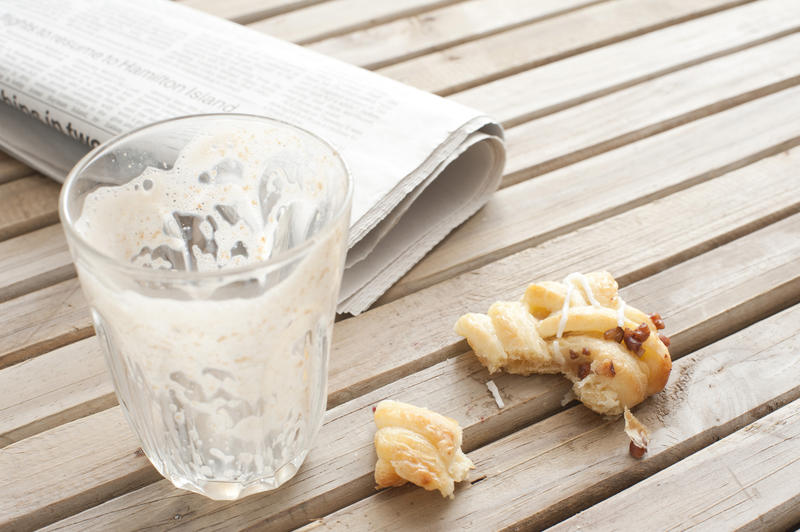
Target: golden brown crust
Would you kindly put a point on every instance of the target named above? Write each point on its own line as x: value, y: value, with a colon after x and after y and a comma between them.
x: 419, y: 446
x: 609, y: 373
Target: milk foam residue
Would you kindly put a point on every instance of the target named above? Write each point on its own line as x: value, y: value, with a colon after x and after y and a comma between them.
x: 221, y: 205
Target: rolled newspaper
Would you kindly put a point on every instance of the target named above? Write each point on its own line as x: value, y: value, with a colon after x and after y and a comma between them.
x: 74, y: 73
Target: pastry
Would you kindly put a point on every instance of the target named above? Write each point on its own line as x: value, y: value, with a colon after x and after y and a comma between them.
x: 612, y: 352
x: 419, y: 446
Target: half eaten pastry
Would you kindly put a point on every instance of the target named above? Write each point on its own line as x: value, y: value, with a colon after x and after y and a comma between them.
x: 419, y: 446
x: 580, y: 327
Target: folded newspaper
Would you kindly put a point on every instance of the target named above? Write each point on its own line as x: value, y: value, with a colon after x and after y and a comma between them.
x: 74, y: 73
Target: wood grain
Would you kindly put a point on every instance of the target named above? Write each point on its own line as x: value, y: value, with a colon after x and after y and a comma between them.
x: 336, y: 17
x: 745, y: 270
x: 27, y: 204
x: 476, y: 62
x: 651, y: 107
x: 244, y: 11
x: 563, y: 200
x: 747, y: 480
x: 60, y: 386
x: 34, y: 260
x: 54, y: 455
x: 434, y: 30
x: 574, y: 80
x: 549, y: 470
x: 43, y: 320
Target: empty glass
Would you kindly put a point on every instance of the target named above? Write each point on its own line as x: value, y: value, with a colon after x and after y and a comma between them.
x: 210, y: 249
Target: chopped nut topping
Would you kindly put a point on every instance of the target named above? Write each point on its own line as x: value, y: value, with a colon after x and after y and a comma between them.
x: 632, y: 343
x: 636, y: 451
x: 665, y: 339
x: 634, y: 339
x: 657, y: 320
x: 572, y: 354
x: 584, y: 370
x: 642, y: 332
x: 586, y: 351
x: 616, y: 334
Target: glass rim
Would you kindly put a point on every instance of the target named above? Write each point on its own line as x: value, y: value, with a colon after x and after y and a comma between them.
x: 280, y: 259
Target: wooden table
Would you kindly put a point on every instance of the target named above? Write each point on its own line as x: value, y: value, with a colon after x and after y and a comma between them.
x: 657, y: 139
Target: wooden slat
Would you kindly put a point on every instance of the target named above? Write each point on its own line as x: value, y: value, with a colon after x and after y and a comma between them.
x: 244, y: 11
x: 60, y: 386
x: 651, y: 107
x: 473, y: 63
x: 26, y: 204
x: 554, y: 203
x: 742, y: 273
x: 336, y: 17
x: 55, y: 453
x: 11, y: 169
x: 43, y: 320
x: 577, y: 79
x: 34, y: 260
x: 340, y: 471
x: 544, y: 473
x: 433, y: 30
x: 745, y: 481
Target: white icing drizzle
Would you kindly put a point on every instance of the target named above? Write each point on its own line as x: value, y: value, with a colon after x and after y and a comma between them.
x: 568, y: 280
x: 621, y: 312
x: 495, y: 393
x: 557, y: 352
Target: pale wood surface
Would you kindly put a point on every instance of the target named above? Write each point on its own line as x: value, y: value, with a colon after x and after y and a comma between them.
x: 433, y: 30
x: 244, y: 11
x: 745, y: 269
x: 475, y: 62
x: 733, y: 491
x: 26, y: 204
x: 577, y: 79
x: 11, y: 169
x: 336, y: 17
x: 543, y: 472
x: 32, y: 261
x: 657, y: 139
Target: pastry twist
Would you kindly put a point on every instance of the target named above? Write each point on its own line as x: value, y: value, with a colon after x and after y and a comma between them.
x: 611, y: 352
x: 419, y: 446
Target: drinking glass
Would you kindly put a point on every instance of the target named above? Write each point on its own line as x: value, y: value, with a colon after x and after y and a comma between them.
x: 218, y: 348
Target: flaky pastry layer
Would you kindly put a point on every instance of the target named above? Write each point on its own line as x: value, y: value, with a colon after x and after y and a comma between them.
x: 419, y: 446
x: 611, y: 352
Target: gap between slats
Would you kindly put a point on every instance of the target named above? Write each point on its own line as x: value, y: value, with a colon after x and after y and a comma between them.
x: 244, y: 11
x: 452, y: 70
x: 337, y: 17
x: 748, y: 479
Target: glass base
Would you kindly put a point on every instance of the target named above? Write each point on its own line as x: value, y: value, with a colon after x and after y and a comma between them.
x: 220, y: 490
